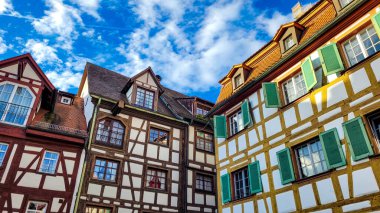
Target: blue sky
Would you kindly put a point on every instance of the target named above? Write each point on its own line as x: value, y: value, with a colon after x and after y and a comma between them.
x: 192, y: 44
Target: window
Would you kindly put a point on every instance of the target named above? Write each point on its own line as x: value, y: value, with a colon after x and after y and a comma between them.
x: 289, y: 42
x: 310, y: 158
x: 36, y: 207
x: 236, y: 123
x: 105, y: 170
x: 15, y: 103
x: 294, y: 88
x: 65, y: 100
x: 241, y: 183
x: 3, y: 151
x: 158, y: 136
x: 238, y: 81
x: 344, y: 3
x: 204, y: 182
x: 205, y: 141
x: 110, y: 132
x: 97, y: 209
x: 144, y: 98
x: 156, y: 179
x: 201, y: 110
x: 362, y: 45
x: 49, y: 162
x: 374, y: 121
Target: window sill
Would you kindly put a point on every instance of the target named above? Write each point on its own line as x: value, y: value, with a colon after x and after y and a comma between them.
x: 155, y: 189
x: 311, y: 178
x: 109, y: 146
x: 45, y: 173
x: 113, y: 183
x: 236, y: 134
x: 243, y: 198
x: 204, y: 191
x: 205, y: 151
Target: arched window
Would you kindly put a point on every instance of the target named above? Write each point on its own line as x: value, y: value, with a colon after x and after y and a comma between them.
x: 15, y: 103
x: 110, y: 132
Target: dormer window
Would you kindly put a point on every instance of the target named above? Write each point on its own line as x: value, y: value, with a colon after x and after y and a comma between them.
x: 289, y: 43
x: 144, y: 98
x: 15, y: 103
x: 66, y: 100
x: 238, y: 81
x: 344, y: 3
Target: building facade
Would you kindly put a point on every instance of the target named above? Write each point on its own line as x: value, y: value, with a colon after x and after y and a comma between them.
x: 297, y: 123
x: 142, y: 152
x: 42, y: 134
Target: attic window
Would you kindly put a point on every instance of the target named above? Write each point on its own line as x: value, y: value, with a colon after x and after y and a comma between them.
x: 344, y: 3
x: 144, y: 98
x: 238, y: 81
x: 66, y: 100
x: 289, y: 42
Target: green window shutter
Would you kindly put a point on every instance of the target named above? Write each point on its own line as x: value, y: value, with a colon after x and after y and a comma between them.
x: 330, y: 59
x: 271, y: 96
x: 226, y: 188
x: 245, y: 109
x: 254, y: 177
x: 286, y: 167
x: 357, y: 139
x: 376, y: 22
x: 332, y: 148
x: 220, y: 126
x: 308, y: 74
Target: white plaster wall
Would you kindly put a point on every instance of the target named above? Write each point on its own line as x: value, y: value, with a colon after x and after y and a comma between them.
x: 359, y: 80
x: 375, y: 65
x: 242, y: 144
x: 252, y: 136
x: 17, y: 200
x: 273, y: 155
x: 231, y: 147
x: 30, y: 180
x: 248, y: 207
x: 110, y: 191
x: 343, y: 182
x: 94, y: 189
x: 305, y: 109
x: 337, y: 88
x: 364, y: 182
x: 273, y: 126
x: 56, y: 183
x: 306, y: 195
x: 149, y: 197
x: 326, y: 191
x: 285, y: 202
x: 290, y: 116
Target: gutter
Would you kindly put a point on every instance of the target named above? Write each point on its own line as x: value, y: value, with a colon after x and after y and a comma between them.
x: 246, y: 87
x: 86, y: 148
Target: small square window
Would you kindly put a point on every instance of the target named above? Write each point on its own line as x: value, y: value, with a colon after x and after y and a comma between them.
x: 204, y: 182
x: 289, y: 43
x: 205, y: 141
x: 36, y: 207
x: 310, y: 158
x: 49, y: 162
x: 238, y: 81
x: 66, y: 100
x: 158, y: 136
x: 236, y: 123
x: 344, y: 3
x: 156, y: 178
x: 105, y: 170
x: 144, y: 98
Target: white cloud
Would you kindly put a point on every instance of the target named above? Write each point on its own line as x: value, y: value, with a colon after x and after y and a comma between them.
x: 42, y: 52
x: 271, y: 24
x: 64, y: 80
x: 187, y: 61
x: 5, y: 6
x: 61, y: 20
x: 3, y: 45
x: 90, y: 7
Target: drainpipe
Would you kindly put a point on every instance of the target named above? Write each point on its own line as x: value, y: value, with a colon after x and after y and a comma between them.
x: 87, y: 148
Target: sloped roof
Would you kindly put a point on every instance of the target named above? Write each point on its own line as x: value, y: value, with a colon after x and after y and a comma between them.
x: 109, y: 84
x: 270, y: 54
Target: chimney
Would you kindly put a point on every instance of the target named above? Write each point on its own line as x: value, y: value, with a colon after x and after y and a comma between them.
x: 297, y: 10
x: 158, y: 78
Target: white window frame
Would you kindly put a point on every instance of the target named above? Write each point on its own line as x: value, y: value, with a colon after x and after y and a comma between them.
x: 63, y: 99
x: 240, y: 125
x: 286, y: 40
x: 42, y: 162
x: 320, y: 152
x: 361, y: 45
x: 296, y: 92
x: 37, y: 211
x: 5, y: 153
x: 2, y: 119
x: 239, y: 77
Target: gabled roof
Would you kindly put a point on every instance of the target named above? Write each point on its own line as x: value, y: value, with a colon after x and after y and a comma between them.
x: 33, y: 64
x: 284, y: 27
x: 146, y: 70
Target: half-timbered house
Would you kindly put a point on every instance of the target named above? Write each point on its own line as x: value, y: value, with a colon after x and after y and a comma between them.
x: 297, y: 123
x: 142, y: 146
x: 42, y: 133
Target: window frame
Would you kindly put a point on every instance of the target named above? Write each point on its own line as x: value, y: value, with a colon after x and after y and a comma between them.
x: 144, y: 100
x: 155, y: 169
x: 286, y: 48
x: 240, y: 80
x: 297, y: 164
x: 291, y: 77
x: 344, y: 6
x: 5, y: 154
x: 42, y: 162
x: 376, y: 138
x: 245, y: 187
x: 64, y: 98
x: 356, y: 33
x: 211, y: 141
x: 36, y: 201
x: 110, y: 132
x: 11, y: 97
x: 159, y: 129
x: 98, y: 207
x: 204, y: 175
x: 229, y: 123
x: 107, y: 160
